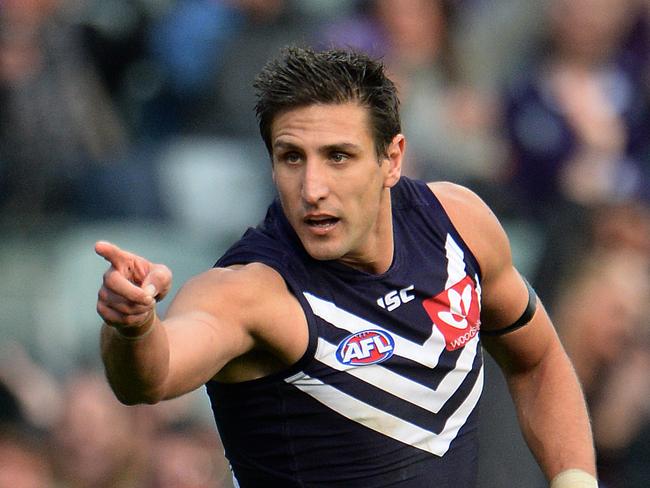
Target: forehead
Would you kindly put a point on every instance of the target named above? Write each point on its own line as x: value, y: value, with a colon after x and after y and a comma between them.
x: 323, y: 123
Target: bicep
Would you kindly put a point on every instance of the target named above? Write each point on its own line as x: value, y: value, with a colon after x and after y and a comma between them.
x: 509, y: 301
x: 207, y: 327
x: 506, y: 298
x: 523, y: 349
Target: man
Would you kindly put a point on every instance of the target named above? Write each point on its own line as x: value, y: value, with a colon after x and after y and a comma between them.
x: 339, y: 340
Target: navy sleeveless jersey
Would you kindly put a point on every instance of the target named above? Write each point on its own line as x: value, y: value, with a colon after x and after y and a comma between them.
x: 386, y: 393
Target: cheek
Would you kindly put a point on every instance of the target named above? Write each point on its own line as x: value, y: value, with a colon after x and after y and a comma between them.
x: 363, y: 214
x: 369, y: 198
x: 287, y: 193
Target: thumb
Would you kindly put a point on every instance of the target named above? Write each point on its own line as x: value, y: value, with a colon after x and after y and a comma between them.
x: 150, y: 290
x: 157, y: 282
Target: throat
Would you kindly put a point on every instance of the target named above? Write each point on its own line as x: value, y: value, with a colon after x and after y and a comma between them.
x: 377, y: 262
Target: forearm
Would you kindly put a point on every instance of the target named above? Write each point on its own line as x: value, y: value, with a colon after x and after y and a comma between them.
x: 136, y: 368
x: 553, y: 415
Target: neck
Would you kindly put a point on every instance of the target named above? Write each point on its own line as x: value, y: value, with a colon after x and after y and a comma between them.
x: 378, y: 255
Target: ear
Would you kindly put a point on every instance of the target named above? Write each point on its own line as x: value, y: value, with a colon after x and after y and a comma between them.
x: 394, y: 157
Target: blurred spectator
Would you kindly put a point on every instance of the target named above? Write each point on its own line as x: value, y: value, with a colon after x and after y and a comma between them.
x: 95, y: 441
x: 34, y: 390
x: 114, y: 36
x: 203, y: 28
x: 99, y: 442
x: 24, y: 462
x: 575, y: 232
x: 226, y: 107
x: 187, y: 456
x: 493, y: 38
x: 578, y: 119
x: 449, y: 125
x: 10, y: 411
x: 602, y: 318
x: 56, y: 121
x: 622, y: 226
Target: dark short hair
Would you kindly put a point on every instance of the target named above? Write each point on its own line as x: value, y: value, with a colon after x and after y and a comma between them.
x: 302, y: 77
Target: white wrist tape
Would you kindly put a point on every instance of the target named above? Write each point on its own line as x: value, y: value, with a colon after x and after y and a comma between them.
x: 574, y: 478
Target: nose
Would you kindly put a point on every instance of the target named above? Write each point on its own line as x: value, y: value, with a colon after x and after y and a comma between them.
x: 315, y: 185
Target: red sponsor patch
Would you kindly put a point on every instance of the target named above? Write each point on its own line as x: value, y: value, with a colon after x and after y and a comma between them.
x: 456, y: 313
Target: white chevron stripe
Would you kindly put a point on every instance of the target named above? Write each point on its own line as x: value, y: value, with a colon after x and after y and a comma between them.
x: 400, y: 386
x: 478, y: 291
x: 388, y: 424
x: 455, y: 262
x: 426, y: 354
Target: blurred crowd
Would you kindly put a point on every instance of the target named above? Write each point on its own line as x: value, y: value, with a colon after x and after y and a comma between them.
x: 133, y: 121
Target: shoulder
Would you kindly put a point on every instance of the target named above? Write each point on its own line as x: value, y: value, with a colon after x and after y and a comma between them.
x: 476, y: 223
x: 241, y: 286
x: 457, y: 199
x: 253, y: 299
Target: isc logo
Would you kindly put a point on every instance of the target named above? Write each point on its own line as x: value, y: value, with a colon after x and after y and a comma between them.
x: 365, y: 347
x: 393, y: 299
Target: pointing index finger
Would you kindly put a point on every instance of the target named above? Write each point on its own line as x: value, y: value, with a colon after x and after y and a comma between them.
x: 110, y: 252
x: 132, y: 267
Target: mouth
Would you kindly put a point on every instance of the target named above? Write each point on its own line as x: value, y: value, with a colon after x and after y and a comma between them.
x: 321, y: 224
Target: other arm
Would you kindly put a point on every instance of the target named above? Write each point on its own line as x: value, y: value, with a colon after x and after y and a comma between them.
x: 549, y: 401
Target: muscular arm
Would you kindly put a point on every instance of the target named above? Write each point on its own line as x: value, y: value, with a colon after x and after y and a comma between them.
x: 218, y: 316
x: 549, y: 402
x: 202, y: 331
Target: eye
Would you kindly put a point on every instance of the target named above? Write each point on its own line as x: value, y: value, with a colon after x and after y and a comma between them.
x: 339, y: 157
x: 291, y: 157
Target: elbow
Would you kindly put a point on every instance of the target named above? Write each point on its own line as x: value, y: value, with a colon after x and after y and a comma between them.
x: 136, y: 396
x: 130, y: 399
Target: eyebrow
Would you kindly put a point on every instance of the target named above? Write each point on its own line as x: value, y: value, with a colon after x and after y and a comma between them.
x: 284, y: 145
x: 340, y: 146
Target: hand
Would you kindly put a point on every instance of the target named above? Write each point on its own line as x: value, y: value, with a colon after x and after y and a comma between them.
x: 589, y: 111
x: 130, y: 288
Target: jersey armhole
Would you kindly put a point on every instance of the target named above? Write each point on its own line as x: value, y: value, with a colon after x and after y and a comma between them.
x: 312, y: 342
x: 431, y: 200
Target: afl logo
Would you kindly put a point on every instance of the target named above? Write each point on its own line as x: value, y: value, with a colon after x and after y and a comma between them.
x: 365, y: 347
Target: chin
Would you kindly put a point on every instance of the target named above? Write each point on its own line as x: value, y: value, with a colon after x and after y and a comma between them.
x: 322, y: 253
x: 323, y: 256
